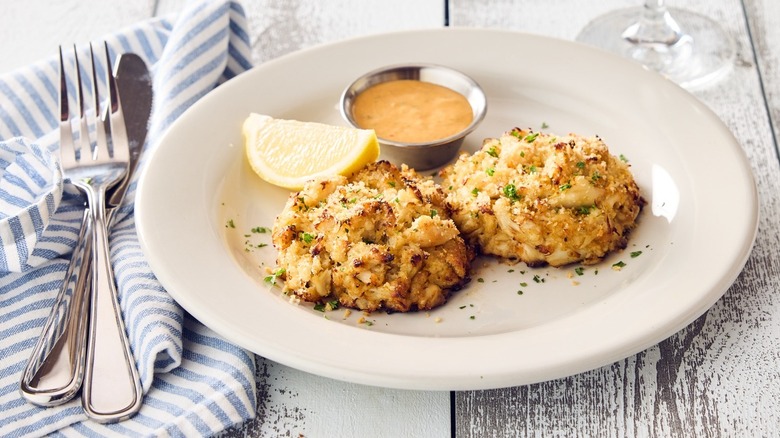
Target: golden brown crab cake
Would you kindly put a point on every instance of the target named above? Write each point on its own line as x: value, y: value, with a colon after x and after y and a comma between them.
x: 381, y: 239
x: 543, y: 199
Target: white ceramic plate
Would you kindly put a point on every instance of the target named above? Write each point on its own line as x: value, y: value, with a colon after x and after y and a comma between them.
x: 694, y: 235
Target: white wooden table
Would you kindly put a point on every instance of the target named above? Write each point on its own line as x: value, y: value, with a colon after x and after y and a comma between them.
x: 720, y: 376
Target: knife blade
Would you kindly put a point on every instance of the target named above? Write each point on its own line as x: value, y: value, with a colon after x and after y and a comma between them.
x: 134, y: 85
x: 54, y: 372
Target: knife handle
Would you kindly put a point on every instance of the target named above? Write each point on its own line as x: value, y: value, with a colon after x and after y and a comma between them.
x: 112, y: 388
x: 54, y: 372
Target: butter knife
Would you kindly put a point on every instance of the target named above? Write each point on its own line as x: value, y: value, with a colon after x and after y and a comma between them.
x: 54, y: 373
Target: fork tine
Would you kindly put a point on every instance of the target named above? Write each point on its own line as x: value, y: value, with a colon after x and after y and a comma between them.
x: 119, y: 141
x: 67, y: 148
x: 64, y: 115
x: 101, y: 144
x: 85, y: 146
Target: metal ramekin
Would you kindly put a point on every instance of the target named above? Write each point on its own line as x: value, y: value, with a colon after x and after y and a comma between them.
x: 428, y: 155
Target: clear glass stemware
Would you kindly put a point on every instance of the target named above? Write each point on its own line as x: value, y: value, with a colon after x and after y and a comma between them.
x: 688, y: 48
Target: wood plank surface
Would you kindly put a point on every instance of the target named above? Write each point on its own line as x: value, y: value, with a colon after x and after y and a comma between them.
x: 31, y: 30
x: 718, y: 376
x: 282, y: 26
x: 762, y: 18
x: 290, y: 402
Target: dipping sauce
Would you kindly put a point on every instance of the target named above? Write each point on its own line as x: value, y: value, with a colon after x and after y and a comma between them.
x: 412, y: 111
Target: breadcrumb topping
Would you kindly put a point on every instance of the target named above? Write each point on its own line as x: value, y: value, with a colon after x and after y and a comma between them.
x: 543, y: 199
x: 381, y: 239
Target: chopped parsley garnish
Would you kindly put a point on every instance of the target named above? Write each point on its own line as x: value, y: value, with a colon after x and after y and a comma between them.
x: 492, y: 152
x: 519, y: 292
x: 260, y: 230
x: 307, y: 237
x: 510, y: 191
x: 619, y: 265
x: 531, y: 137
x: 475, y: 192
x: 524, y: 284
x: 271, y: 279
x: 538, y: 279
x: 434, y: 213
x: 545, y: 125
x: 580, y: 164
x: 635, y: 254
x: 480, y: 280
x: 596, y: 176
x: 565, y: 186
x: 230, y: 224
x: 330, y: 305
x: 490, y: 171
x: 579, y: 270
x: 584, y: 209
x: 623, y: 158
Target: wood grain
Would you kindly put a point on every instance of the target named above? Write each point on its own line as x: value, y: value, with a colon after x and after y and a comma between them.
x: 31, y: 30
x: 294, y: 403
x: 718, y: 376
x: 765, y: 32
x: 283, y: 26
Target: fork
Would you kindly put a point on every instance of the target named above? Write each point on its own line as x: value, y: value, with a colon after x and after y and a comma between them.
x: 111, y: 388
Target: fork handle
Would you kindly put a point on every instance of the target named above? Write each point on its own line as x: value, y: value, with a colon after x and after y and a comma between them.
x: 112, y: 388
x: 55, y: 369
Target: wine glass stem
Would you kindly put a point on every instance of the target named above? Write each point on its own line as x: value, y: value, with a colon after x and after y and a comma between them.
x: 656, y: 26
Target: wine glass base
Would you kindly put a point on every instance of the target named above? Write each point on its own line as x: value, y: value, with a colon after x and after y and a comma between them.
x: 703, y: 54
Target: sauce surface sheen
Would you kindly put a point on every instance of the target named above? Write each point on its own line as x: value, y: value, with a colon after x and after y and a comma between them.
x: 411, y: 111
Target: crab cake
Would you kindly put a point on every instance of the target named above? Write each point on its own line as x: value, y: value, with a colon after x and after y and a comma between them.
x: 381, y: 239
x: 543, y: 199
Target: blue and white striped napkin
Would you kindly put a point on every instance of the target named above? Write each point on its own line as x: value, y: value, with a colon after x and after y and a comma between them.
x: 195, y: 383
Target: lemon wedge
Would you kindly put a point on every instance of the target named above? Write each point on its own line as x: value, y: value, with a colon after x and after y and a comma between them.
x: 287, y: 153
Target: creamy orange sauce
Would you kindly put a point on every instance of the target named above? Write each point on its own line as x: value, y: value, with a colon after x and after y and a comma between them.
x: 411, y: 111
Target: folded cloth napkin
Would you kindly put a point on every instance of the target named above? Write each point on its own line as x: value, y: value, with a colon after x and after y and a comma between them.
x: 195, y: 383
